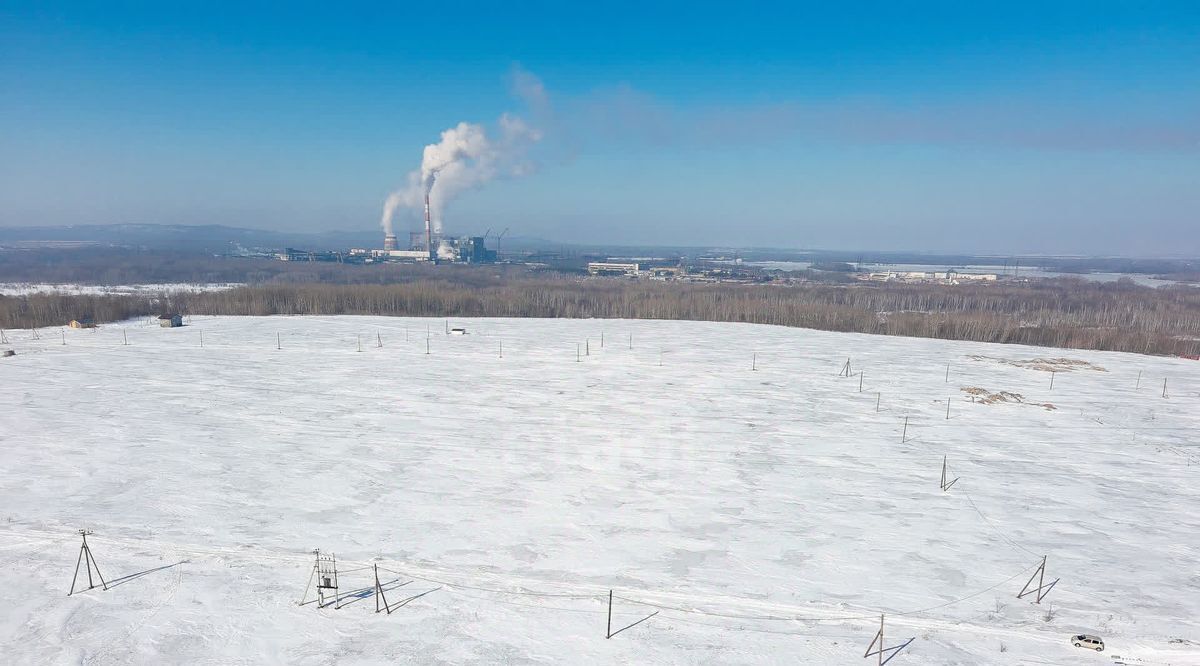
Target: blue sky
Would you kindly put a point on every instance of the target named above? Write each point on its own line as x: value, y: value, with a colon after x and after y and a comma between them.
x: 1069, y: 127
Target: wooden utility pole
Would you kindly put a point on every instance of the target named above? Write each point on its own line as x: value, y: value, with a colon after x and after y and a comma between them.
x: 89, y: 560
x: 878, y: 651
x: 608, y: 630
x: 1042, y: 589
x: 379, y: 593
x: 946, y: 481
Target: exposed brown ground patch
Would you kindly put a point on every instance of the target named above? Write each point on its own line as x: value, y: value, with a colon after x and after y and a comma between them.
x: 1044, y: 364
x: 986, y: 397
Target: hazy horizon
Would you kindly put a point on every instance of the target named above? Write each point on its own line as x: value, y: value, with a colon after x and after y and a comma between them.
x: 1016, y: 129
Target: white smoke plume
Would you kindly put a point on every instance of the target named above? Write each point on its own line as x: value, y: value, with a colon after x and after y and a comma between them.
x: 465, y: 158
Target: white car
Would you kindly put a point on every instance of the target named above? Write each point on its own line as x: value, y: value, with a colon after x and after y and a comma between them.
x: 1086, y: 641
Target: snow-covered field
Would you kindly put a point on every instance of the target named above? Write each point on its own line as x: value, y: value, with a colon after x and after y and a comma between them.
x: 769, y: 515
x: 26, y: 288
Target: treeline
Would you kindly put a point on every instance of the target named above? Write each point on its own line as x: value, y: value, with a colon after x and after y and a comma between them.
x: 1059, y: 313
x: 115, y: 266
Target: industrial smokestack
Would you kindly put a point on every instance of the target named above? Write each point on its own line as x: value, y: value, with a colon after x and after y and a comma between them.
x: 429, y: 231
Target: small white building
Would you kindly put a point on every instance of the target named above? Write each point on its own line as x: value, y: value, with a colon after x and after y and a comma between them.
x: 613, y: 268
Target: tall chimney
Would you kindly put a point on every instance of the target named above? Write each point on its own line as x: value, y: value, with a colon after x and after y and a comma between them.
x: 429, y: 231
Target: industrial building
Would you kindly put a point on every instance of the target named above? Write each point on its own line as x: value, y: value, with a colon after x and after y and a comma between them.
x: 613, y: 268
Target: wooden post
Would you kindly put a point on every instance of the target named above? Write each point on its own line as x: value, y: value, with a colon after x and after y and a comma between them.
x: 379, y: 593
x: 1051, y: 380
x: 378, y: 340
x: 202, y: 338
x: 1164, y: 387
x: 880, y: 640
x: 359, y: 337
x: 64, y: 336
x: 878, y: 397
x: 947, y: 409
x: 501, y: 349
x: 602, y: 339
x: 947, y: 373
x: 587, y: 347
x: 88, y: 560
x: 427, y: 346
x: 125, y: 336
x: 278, y: 344
x: 631, y: 340
x: 946, y: 480
x: 608, y: 630
x: 872, y: 650
x: 1139, y: 381
x: 904, y: 433
x: 860, y: 380
x: 754, y: 361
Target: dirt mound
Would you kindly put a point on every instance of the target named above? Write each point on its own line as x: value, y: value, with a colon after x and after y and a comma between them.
x: 1043, y: 364
x: 986, y: 397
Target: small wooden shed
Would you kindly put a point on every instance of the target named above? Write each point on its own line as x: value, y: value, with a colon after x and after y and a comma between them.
x: 170, y: 320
